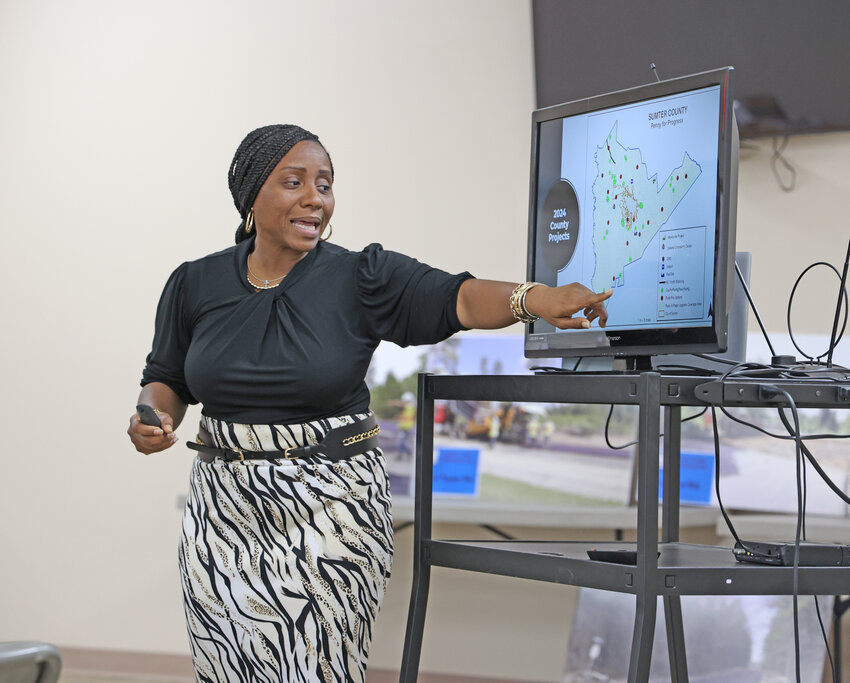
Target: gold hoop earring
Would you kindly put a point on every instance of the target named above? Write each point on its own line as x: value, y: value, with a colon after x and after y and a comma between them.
x: 325, y: 239
x: 249, y: 222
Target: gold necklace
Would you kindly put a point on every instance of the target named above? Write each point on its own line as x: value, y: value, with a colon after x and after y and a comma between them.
x: 267, y: 284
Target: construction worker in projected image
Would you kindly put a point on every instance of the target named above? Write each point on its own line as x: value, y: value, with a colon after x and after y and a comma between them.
x: 406, y: 423
x: 548, y: 431
x: 495, y: 428
x: 532, y: 433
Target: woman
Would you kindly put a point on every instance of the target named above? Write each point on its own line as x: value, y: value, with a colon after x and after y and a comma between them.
x: 287, y: 534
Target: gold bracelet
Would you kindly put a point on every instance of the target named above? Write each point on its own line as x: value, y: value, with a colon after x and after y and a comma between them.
x: 517, y: 302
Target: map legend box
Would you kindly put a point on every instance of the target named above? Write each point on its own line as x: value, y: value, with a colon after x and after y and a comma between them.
x: 681, y: 273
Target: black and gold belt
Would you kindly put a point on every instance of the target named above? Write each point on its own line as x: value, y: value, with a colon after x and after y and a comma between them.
x: 339, y: 443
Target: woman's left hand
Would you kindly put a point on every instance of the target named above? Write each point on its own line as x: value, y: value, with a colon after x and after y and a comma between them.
x: 558, y: 305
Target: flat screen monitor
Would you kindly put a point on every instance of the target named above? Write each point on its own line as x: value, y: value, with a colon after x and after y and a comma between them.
x: 636, y: 191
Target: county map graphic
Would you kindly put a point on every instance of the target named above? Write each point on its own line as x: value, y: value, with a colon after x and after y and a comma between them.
x: 630, y: 207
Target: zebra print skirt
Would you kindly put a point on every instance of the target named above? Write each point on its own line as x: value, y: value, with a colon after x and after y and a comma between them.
x: 284, y: 563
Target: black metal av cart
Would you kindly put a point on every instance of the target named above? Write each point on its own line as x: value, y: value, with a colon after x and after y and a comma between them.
x: 665, y: 567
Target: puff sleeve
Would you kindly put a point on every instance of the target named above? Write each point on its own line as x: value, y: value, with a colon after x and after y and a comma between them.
x: 172, y: 334
x: 405, y: 301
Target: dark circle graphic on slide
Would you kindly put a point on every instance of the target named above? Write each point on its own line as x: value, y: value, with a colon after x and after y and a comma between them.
x: 558, y: 225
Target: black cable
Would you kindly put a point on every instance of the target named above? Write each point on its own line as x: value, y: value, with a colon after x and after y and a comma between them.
x: 549, y: 370
x: 800, y: 371
x: 800, y: 447
x: 729, y: 525
x: 841, y: 494
x: 715, y: 359
x: 498, y: 532
x: 808, y: 369
x: 791, y: 301
x: 833, y: 339
x: 825, y: 640
x: 607, y: 440
x: 753, y: 306
x: 665, y: 367
x: 749, y: 366
x: 842, y: 289
x: 800, y: 450
x: 823, y: 475
x: 695, y: 415
x: 807, y: 437
x: 723, y: 512
x: 634, y: 443
x: 805, y: 481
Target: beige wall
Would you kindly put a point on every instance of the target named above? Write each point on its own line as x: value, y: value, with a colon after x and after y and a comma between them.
x: 787, y: 231
x: 118, y: 124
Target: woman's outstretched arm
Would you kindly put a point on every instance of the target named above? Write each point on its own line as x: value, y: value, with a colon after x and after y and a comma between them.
x: 485, y: 304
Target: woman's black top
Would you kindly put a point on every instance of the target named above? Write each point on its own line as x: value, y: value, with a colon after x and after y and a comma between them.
x: 300, y: 351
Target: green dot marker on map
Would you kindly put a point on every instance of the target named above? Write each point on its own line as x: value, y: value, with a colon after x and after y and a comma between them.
x: 640, y: 204
x: 607, y: 199
x: 623, y: 222
x: 630, y: 259
x: 673, y: 189
x: 625, y: 158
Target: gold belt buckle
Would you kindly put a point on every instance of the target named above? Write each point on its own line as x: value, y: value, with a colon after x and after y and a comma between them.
x: 241, y: 457
x: 286, y: 454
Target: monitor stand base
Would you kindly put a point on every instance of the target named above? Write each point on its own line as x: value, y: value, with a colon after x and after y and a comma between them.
x: 638, y: 363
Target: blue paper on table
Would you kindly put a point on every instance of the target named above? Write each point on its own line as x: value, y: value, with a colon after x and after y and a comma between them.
x: 456, y: 471
x: 696, y: 478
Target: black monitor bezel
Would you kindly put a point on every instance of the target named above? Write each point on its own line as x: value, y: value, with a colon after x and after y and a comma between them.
x: 626, y: 343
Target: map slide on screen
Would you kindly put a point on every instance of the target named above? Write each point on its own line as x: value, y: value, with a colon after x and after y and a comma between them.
x: 630, y: 206
x: 635, y: 208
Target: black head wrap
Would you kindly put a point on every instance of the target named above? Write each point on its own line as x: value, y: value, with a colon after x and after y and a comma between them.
x: 255, y: 159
